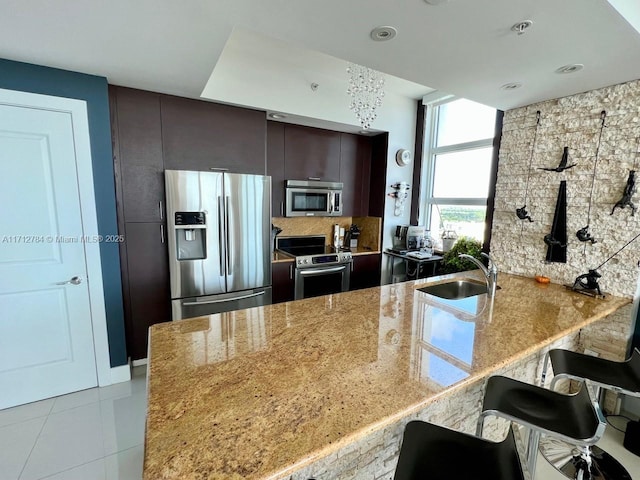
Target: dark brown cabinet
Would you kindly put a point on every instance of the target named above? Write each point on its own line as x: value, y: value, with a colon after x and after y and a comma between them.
x: 366, y: 271
x: 275, y: 166
x: 378, y: 175
x: 311, y: 154
x: 138, y: 168
x: 199, y: 135
x: 148, y: 268
x: 301, y: 153
x: 355, y: 170
x: 139, y: 153
x: 282, y: 289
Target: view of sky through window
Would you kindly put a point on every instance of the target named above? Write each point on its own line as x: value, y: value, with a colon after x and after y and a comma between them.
x: 461, y: 156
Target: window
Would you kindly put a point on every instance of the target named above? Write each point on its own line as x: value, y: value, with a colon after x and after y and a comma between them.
x: 457, y: 168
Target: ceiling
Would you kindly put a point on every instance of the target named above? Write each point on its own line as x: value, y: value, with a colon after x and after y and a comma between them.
x: 462, y: 47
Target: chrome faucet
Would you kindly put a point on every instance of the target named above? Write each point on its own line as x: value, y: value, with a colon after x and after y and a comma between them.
x: 491, y: 273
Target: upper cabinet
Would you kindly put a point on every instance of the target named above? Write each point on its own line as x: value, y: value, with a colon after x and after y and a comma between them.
x: 355, y: 170
x: 295, y: 152
x: 138, y: 151
x: 199, y: 135
x: 311, y: 154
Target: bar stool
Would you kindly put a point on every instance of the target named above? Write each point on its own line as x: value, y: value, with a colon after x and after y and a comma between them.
x: 438, y: 453
x: 620, y: 377
x: 574, y: 418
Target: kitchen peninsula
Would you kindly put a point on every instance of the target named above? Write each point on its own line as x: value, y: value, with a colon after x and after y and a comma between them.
x: 322, y: 387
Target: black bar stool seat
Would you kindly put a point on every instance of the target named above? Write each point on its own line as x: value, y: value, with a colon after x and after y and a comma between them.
x: 621, y: 377
x: 572, y: 418
x: 436, y: 453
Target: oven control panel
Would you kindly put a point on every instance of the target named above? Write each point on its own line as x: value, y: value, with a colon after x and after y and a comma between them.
x: 319, y: 260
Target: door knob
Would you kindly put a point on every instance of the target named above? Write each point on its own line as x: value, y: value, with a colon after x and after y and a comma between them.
x: 72, y: 281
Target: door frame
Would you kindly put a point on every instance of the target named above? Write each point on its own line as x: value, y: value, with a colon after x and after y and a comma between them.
x: 81, y: 139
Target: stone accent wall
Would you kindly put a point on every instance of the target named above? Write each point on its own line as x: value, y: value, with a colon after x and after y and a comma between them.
x: 517, y: 245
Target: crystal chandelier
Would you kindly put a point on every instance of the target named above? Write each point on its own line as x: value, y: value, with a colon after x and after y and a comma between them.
x: 366, y: 88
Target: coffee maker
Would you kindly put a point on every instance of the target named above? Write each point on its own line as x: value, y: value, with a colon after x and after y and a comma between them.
x: 351, y: 237
x: 407, y: 238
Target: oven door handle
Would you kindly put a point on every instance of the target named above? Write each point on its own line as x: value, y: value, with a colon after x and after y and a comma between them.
x: 321, y: 271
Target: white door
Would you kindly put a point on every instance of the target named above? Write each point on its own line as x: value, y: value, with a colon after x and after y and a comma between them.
x: 46, y: 338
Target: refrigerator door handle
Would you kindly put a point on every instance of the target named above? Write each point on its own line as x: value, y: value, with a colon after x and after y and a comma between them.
x: 208, y: 302
x: 220, y: 235
x: 228, y: 244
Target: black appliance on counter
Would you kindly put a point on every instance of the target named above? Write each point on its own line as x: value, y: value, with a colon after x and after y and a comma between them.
x: 351, y: 237
x: 319, y: 269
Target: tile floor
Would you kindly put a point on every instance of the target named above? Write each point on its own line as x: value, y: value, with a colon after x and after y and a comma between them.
x: 98, y: 434
x: 94, y: 434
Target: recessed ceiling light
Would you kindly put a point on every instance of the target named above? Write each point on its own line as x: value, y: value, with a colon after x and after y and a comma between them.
x: 511, y: 86
x: 572, y: 68
x: 520, y: 27
x: 277, y: 116
x: 436, y: 2
x: 384, y: 33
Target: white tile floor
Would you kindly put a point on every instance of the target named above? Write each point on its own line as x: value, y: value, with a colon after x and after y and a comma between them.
x: 94, y: 434
x: 98, y: 434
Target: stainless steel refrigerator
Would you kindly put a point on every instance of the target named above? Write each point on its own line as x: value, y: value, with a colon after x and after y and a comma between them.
x: 219, y: 234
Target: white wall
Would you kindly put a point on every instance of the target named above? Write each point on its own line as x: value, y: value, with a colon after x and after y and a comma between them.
x: 285, y: 76
x: 400, y: 121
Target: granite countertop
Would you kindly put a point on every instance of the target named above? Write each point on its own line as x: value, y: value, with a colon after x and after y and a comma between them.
x: 259, y: 393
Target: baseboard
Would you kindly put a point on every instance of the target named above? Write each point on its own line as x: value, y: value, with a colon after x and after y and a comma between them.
x: 137, y: 363
x: 120, y: 374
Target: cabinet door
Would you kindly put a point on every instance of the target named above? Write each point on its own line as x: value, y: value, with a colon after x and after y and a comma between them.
x: 311, y: 154
x: 275, y: 166
x: 355, y: 168
x: 139, y: 153
x: 282, y: 282
x: 366, y: 271
x: 199, y: 135
x: 377, y: 185
x: 148, y: 283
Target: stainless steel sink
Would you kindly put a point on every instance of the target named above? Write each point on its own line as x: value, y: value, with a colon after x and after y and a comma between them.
x: 455, y: 290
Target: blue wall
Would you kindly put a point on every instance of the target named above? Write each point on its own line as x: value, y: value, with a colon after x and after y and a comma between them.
x: 61, y: 83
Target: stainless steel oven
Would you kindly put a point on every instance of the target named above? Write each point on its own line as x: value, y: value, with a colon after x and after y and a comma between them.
x: 322, y: 279
x: 319, y: 269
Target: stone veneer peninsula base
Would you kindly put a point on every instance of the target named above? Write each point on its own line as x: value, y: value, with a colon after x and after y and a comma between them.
x: 322, y: 387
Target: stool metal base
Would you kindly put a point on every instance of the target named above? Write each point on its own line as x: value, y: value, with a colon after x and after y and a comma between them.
x: 573, y: 463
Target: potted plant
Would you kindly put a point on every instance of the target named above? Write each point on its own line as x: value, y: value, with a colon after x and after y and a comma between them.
x: 451, y: 263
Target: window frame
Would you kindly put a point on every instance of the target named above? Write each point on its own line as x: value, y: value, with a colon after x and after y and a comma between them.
x: 431, y: 151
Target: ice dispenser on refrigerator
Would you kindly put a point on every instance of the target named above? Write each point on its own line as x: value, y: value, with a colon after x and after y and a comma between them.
x: 191, y: 235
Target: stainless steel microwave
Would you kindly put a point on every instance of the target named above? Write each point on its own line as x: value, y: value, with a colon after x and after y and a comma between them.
x: 306, y: 198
